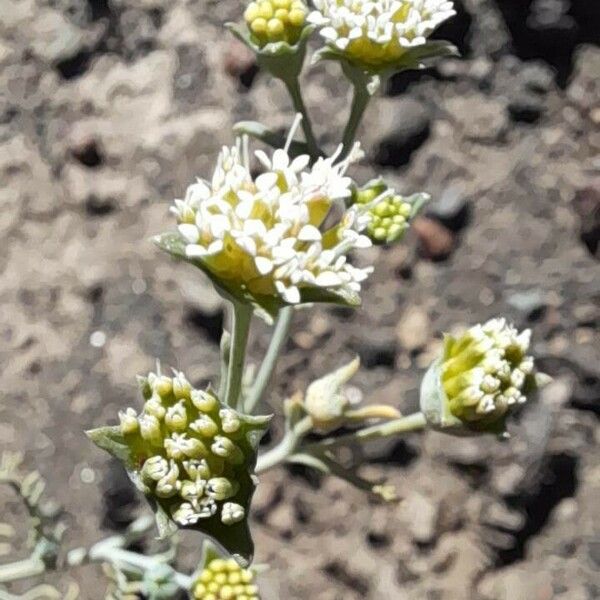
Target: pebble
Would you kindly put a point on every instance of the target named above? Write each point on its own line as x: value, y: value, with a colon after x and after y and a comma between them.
x: 436, y: 242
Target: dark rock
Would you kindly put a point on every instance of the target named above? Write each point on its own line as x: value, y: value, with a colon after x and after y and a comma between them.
x: 587, y: 205
x: 525, y: 107
x: 410, y: 131
x: 376, y: 347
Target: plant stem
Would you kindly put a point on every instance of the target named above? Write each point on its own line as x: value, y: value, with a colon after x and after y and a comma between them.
x: 293, y: 88
x: 414, y: 422
x: 280, y: 334
x: 240, y: 327
x: 360, y: 101
x: 286, y: 447
x: 108, y: 553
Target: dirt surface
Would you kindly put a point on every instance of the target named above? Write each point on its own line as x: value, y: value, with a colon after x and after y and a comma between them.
x: 109, y: 109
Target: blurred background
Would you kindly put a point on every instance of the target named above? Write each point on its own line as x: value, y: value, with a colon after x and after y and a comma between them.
x: 110, y: 108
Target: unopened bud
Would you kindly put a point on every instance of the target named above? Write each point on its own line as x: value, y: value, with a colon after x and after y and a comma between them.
x: 128, y: 421
x: 176, y: 417
x: 481, y: 376
x: 221, y: 488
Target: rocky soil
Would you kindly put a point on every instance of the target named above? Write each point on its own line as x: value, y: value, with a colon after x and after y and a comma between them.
x: 108, y: 109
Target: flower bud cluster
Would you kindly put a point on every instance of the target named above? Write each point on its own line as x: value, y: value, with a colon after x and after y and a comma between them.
x: 487, y: 371
x: 389, y: 214
x: 225, y: 580
x: 276, y: 20
x: 378, y: 32
x: 190, y: 450
x: 265, y: 234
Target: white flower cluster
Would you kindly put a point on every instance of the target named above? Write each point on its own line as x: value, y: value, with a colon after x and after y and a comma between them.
x: 266, y: 233
x: 485, y: 370
x: 378, y: 31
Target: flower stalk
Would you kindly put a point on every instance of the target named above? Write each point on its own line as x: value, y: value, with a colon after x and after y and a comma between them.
x: 241, y: 319
x: 265, y: 373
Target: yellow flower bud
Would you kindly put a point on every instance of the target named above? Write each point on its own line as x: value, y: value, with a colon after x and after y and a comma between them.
x: 276, y: 20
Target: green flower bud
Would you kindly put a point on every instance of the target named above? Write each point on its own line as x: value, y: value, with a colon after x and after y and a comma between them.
x: 276, y: 21
x: 128, y: 421
x: 481, y: 377
x: 176, y: 417
x: 225, y: 448
x: 389, y: 213
x: 224, y: 580
x: 179, y: 446
x: 205, y: 426
x: 150, y: 429
x: 229, y: 421
x: 155, y: 407
x: 220, y: 488
x: 203, y: 401
x: 192, y: 456
x: 163, y: 386
x: 167, y: 486
x: 154, y: 469
x: 181, y: 386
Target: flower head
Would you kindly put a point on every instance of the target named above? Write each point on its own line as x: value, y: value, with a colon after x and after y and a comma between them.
x: 481, y: 377
x: 192, y: 457
x: 223, y: 579
x: 378, y: 32
x: 280, y: 236
x: 389, y: 213
x: 276, y: 20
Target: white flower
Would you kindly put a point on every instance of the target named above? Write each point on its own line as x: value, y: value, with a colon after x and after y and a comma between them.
x: 266, y: 234
x: 378, y: 32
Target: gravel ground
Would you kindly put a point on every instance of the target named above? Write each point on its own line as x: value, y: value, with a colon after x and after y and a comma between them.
x: 109, y: 109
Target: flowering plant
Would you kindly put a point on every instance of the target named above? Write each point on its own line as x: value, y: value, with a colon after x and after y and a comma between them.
x: 273, y: 231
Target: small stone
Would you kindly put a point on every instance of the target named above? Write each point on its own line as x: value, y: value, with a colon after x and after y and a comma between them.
x: 412, y: 330
x: 436, y: 242
x: 422, y: 517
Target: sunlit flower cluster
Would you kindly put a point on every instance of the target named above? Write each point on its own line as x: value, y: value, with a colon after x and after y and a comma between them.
x: 378, y: 32
x: 389, y: 213
x: 191, y: 451
x: 280, y: 232
x: 487, y: 370
x: 276, y: 20
x: 225, y: 580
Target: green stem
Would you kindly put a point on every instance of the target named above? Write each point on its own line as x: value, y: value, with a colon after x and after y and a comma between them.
x: 293, y: 88
x: 360, y: 101
x: 241, y: 315
x: 286, y: 447
x: 414, y: 422
x: 280, y: 334
x: 111, y: 554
